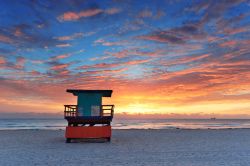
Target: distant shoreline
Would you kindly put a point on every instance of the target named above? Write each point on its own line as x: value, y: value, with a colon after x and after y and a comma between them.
x: 53, y: 124
x: 126, y: 129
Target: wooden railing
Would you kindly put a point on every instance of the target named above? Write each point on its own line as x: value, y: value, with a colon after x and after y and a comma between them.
x: 107, y: 110
x: 71, y: 110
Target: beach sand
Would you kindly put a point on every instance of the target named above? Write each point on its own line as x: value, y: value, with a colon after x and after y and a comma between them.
x: 128, y: 147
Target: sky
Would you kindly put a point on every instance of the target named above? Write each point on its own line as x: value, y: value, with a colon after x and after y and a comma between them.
x: 161, y: 58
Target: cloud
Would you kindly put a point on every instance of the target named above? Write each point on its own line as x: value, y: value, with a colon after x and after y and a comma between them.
x: 230, y: 43
x: 24, y: 36
x: 113, y: 43
x: 59, y: 66
x: 2, y: 61
x: 113, y: 11
x: 145, y: 14
x: 100, y: 58
x: 58, y: 70
x: 136, y: 62
x: 163, y: 37
x: 17, y: 65
x: 99, y: 65
x: 122, y: 54
x: 159, y: 14
x: 20, y: 29
x: 71, y: 37
x: 102, y: 72
x: 103, y: 66
x: 5, y: 39
x: 233, y: 31
x: 63, y: 45
x: 62, y: 56
x: 20, y: 61
x: 73, y: 16
x: 177, y: 35
x: 185, y: 59
x: 213, y: 10
x: 204, y: 55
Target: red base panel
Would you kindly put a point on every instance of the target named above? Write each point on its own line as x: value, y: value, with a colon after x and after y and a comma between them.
x: 88, y: 132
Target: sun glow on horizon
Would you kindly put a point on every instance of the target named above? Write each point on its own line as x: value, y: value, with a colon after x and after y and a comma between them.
x: 156, y: 59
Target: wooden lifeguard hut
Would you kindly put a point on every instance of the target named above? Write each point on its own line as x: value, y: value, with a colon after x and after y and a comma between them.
x: 89, y: 118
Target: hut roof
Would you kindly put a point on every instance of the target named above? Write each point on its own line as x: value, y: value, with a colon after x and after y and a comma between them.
x: 105, y: 93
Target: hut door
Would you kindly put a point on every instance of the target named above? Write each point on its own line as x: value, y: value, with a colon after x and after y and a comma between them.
x: 95, y: 110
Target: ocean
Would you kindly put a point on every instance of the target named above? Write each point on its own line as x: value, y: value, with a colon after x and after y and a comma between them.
x: 56, y: 124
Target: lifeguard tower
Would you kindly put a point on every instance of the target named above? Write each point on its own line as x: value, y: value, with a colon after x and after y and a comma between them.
x: 89, y: 118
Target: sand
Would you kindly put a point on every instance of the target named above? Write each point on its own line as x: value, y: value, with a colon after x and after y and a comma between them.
x: 128, y: 147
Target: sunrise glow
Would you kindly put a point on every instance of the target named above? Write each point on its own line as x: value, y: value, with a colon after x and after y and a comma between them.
x: 186, y: 58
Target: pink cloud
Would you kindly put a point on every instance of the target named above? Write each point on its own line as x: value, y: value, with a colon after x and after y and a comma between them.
x: 62, y: 56
x: 20, y: 61
x: 230, y: 43
x: 105, y: 71
x: 18, y: 32
x: 99, y: 65
x: 59, y: 66
x: 5, y: 39
x: 159, y: 14
x: 112, y: 11
x: 191, y: 59
x: 112, y: 65
x: 18, y: 65
x: 35, y: 73
x: 100, y: 58
x: 145, y: 14
x: 64, y: 72
x: 122, y: 54
x: 2, y: 61
x: 68, y: 16
x: 136, y: 62
x: 70, y: 37
x: 134, y: 52
x: 72, y: 16
x: 232, y: 31
x: 163, y: 37
x: 37, y: 61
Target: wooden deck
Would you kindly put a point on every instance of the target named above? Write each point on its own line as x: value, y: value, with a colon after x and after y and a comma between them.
x: 71, y: 115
